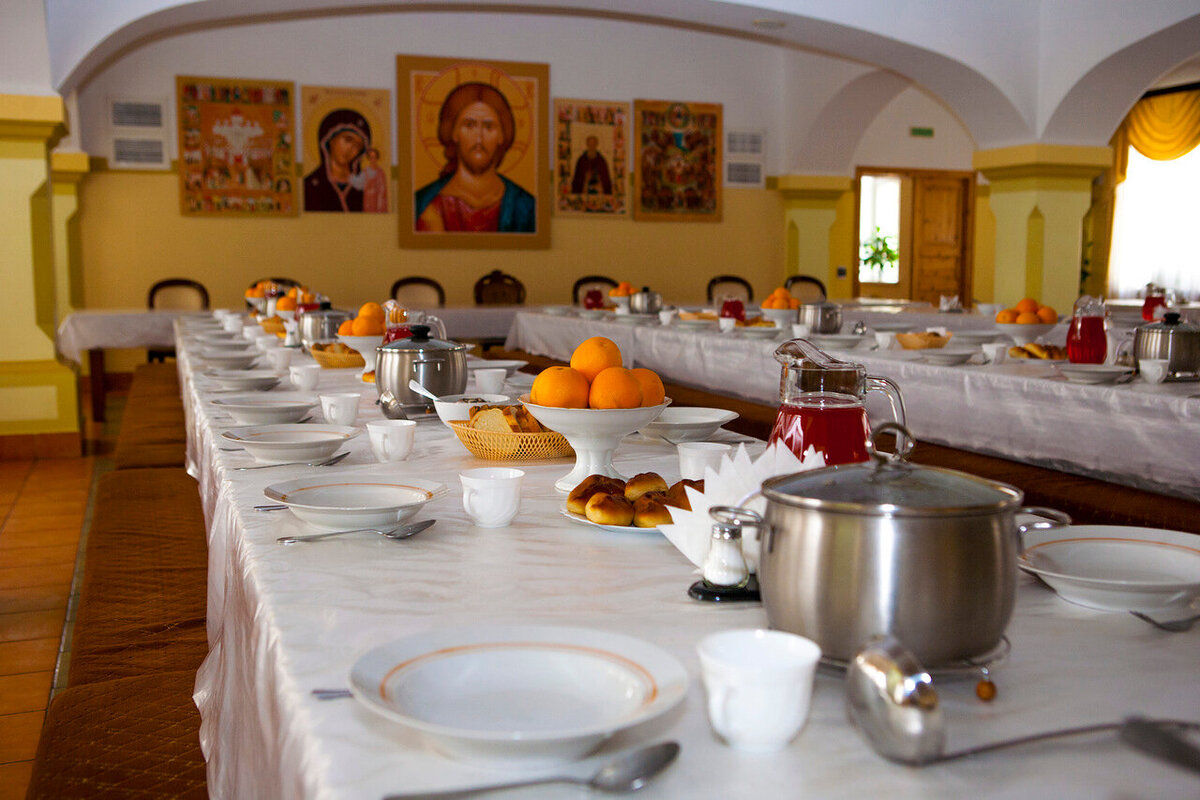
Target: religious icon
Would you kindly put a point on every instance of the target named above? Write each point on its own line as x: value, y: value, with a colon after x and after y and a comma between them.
x: 591, y: 157
x: 678, y: 161
x: 346, y: 142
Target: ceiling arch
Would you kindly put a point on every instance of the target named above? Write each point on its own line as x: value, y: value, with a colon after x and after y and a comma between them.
x: 830, y: 143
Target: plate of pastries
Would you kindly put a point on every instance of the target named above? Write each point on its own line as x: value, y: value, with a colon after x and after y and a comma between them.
x: 638, y: 505
x: 1038, y: 352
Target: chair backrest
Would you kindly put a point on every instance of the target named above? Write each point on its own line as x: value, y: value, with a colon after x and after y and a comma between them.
x: 417, y: 291
x: 589, y: 282
x: 498, y: 289
x: 806, y: 288
x: 177, y: 294
x: 730, y: 286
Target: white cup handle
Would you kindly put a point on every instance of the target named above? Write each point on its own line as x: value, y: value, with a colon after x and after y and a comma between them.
x: 385, y: 442
x: 718, y: 705
x: 468, y: 498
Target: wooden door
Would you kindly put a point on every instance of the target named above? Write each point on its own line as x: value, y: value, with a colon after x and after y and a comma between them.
x: 941, y: 237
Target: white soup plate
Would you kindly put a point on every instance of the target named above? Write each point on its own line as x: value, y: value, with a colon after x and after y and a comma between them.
x: 275, y: 444
x: 758, y: 332
x: 974, y: 338
x: 348, y: 503
x: 525, y: 696
x: 1117, y: 568
x: 837, y: 341
x: 688, y: 424
x: 226, y: 359
x: 267, y: 409
x: 243, y: 379
x: 452, y: 408
x: 946, y: 357
x: 1094, y: 373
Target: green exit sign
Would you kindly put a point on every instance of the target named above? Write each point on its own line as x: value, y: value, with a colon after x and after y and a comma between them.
x: 921, y: 133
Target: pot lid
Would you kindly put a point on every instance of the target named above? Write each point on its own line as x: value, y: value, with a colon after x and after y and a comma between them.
x: 890, y: 486
x: 420, y: 342
x: 1171, y: 322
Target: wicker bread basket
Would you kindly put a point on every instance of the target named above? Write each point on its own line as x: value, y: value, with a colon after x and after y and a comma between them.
x: 922, y: 341
x: 498, y: 446
x: 330, y: 360
x: 273, y: 325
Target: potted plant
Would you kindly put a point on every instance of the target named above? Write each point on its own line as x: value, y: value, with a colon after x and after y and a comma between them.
x: 878, y: 253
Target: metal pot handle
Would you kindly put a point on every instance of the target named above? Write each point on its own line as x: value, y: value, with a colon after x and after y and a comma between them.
x: 1051, y: 518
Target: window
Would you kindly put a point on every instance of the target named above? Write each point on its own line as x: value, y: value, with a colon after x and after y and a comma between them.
x: 879, y: 219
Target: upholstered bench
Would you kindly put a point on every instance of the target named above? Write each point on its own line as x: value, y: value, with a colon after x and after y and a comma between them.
x: 153, y: 431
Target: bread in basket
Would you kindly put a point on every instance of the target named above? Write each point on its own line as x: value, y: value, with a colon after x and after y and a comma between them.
x: 508, y: 433
x: 335, y: 355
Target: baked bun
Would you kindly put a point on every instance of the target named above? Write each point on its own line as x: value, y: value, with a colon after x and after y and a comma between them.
x: 650, y: 510
x: 676, y: 496
x: 638, y: 485
x: 609, y: 509
x: 577, y: 499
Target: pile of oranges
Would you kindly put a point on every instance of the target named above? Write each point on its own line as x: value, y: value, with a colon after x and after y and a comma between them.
x: 369, y: 322
x: 294, y: 295
x: 1028, y: 312
x: 596, y: 379
x: 781, y: 298
x: 622, y: 289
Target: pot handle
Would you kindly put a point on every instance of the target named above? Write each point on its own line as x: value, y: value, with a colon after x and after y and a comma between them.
x: 1051, y: 518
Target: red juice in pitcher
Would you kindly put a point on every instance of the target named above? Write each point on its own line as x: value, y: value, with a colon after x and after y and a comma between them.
x: 837, y: 427
x: 1086, y: 341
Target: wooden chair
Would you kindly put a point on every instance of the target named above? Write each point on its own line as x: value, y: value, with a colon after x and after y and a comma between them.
x: 730, y: 286
x: 806, y: 288
x: 499, y: 289
x: 589, y: 282
x: 175, y: 294
x: 417, y: 291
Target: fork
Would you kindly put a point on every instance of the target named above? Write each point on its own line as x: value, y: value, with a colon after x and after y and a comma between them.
x: 1172, y: 626
x: 328, y: 462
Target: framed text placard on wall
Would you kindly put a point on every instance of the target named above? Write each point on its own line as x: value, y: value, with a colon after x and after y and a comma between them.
x: 678, y: 161
x: 236, y: 146
x: 473, y: 163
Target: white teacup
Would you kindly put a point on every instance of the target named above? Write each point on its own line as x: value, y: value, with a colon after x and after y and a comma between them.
x: 340, y: 408
x: 251, y: 332
x: 492, y: 495
x: 666, y: 316
x: 268, y: 342
x: 391, y: 439
x: 305, y: 376
x: 490, y: 381
x: 280, y: 358
x: 759, y: 685
x: 886, y: 340
x: 695, y: 456
x: 726, y: 324
x: 1152, y: 370
x: 995, y: 352
x: 801, y: 330
x: 232, y: 324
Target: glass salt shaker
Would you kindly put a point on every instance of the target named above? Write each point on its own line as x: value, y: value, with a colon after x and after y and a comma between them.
x: 725, y: 565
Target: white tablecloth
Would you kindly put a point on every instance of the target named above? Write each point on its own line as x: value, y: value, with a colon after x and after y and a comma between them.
x: 1138, y: 434
x: 286, y: 620
x: 101, y: 329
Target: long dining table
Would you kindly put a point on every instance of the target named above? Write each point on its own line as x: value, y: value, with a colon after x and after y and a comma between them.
x: 1137, y: 433
x: 285, y: 620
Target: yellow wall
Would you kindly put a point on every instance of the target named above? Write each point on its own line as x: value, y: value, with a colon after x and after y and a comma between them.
x: 133, y: 234
x: 983, y: 283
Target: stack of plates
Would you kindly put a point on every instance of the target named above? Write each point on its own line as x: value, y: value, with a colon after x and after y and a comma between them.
x: 277, y: 444
x: 1094, y: 373
x: 267, y: 409
x: 243, y: 379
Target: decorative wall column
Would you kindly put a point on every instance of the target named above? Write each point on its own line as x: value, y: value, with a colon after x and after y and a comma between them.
x: 39, y: 408
x: 67, y: 171
x: 1039, y: 195
x: 818, y: 224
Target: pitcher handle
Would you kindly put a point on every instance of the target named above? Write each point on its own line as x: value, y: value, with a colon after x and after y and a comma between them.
x: 889, y: 388
x: 436, y: 323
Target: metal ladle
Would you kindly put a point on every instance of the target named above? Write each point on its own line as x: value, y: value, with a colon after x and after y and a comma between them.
x: 891, y: 699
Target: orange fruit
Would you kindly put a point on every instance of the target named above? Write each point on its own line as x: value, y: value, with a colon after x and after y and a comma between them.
x: 285, y: 303
x: 793, y: 302
x: 1028, y: 318
x: 257, y: 291
x: 615, y: 387
x: 368, y: 326
x: 371, y: 310
x: 1007, y: 316
x: 559, y: 387
x: 1047, y: 315
x: 1027, y: 304
x: 346, y: 328
x: 595, y: 355
x: 653, y: 392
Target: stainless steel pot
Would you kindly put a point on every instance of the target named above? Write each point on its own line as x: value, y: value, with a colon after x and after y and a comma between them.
x: 645, y: 301
x: 1173, y: 339
x: 823, y: 317
x: 440, y: 366
x: 927, y: 555
x: 320, y: 326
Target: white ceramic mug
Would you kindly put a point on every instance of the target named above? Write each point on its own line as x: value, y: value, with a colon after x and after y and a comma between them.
x: 759, y: 686
x: 280, y: 358
x: 995, y: 352
x: 1153, y: 370
x: 340, y: 408
x: 492, y: 495
x: 251, y: 332
x: 726, y: 324
x: 886, y: 340
x: 801, y: 330
x: 666, y: 315
x: 305, y: 376
x: 490, y: 381
x: 232, y: 324
x: 268, y: 342
x: 391, y: 439
x: 695, y: 456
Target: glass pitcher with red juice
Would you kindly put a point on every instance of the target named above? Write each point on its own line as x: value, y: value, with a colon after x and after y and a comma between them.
x: 1087, y: 343
x: 733, y: 307
x: 593, y: 299
x: 821, y: 403
x: 395, y: 321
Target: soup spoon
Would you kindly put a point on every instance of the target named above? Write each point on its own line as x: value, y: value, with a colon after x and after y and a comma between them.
x: 891, y: 698
x: 626, y: 772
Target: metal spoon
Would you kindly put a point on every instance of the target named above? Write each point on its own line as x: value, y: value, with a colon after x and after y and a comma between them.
x: 892, y: 700
x: 402, y: 532
x: 626, y: 772
x: 421, y: 390
x: 328, y: 462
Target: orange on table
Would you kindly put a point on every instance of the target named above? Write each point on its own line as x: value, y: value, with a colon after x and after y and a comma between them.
x: 372, y: 310
x: 286, y: 303
x: 1007, y: 316
x: 367, y: 326
x: 615, y: 387
x: 1028, y: 318
x: 653, y: 391
x: 1027, y: 305
x: 622, y: 289
x: 346, y: 328
x: 255, y: 291
x: 1047, y: 315
x: 595, y: 355
x: 559, y: 387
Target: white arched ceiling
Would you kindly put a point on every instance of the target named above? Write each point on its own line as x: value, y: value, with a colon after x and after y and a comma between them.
x: 828, y: 148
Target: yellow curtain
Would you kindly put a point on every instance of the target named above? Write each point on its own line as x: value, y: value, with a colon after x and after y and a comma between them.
x: 1163, y: 127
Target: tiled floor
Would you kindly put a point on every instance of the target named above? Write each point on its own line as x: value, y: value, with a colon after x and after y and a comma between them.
x: 43, y: 504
